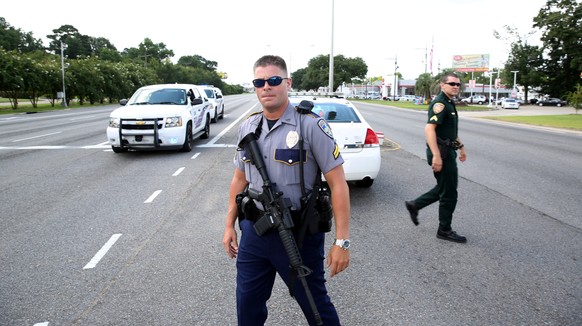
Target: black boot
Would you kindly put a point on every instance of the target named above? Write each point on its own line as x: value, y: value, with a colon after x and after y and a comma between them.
x: 413, y: 211
x: 450, y: 235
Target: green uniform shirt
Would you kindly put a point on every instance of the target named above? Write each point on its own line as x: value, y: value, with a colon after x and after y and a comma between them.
x: 443, y: 113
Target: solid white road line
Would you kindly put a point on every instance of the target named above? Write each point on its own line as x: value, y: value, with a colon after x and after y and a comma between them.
x: 102, y: 251
x: 54, y: 133
x: 152, y: 197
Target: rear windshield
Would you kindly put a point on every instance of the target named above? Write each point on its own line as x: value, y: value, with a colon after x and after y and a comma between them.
x: 335, y: 112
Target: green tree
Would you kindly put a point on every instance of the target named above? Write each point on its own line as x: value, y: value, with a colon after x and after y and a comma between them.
x: 77, y: 45
x: 317, y: 72
x: 526, y: 59
x: 297, y: 77
x: 196, y: 61
x: 11, y: 80
x: 424, y: 86
x: 561, y: 24
x: 148, y: 52
x: 575, y: 98
x: 12, y: 39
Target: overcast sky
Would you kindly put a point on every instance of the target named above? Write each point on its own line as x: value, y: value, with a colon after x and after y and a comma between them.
x: 234, y: 33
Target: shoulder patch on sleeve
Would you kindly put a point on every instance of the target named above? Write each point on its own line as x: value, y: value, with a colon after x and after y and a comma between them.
x: 438, y: 108
x: 324, y: 126
x: 336, y: 151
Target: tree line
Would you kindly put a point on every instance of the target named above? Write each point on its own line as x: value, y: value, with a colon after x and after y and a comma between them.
x: 95, y: 71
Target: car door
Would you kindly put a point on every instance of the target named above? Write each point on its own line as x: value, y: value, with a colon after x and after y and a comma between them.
x: 198, y: 110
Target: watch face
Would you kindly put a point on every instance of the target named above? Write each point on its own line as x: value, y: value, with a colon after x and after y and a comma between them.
x: 346, y: 244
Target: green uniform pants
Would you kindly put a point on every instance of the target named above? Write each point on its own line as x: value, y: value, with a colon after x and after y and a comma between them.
x: 445, y: 191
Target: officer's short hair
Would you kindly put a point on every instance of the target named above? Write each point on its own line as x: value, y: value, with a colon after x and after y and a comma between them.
x: 446, y: 76
x: 271, y: 60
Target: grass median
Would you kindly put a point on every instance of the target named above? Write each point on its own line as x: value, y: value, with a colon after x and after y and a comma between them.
x: 563, y: 121
x: 24, y: 106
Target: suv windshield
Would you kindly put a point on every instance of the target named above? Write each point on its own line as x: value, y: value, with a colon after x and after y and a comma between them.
x: 160, y: 96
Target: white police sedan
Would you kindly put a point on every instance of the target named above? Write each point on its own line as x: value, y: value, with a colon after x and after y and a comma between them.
x: 358, y: 142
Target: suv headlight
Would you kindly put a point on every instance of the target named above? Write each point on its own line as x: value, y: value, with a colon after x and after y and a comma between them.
x: 173, y: 122
x: 114, y: 122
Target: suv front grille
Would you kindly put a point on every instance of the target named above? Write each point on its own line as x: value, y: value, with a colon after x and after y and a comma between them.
x: 145, y: 124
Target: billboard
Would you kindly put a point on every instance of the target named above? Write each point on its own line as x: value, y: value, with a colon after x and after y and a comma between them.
x: 471, y: 62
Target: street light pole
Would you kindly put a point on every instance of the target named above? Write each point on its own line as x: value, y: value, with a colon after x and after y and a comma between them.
x: 490, y: 85
x: 514, y: 81
x: 331, y: 52
x: 395, y: 78
x: 64, y: 104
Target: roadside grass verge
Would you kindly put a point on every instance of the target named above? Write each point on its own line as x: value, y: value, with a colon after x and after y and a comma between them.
x: 564, y: 121
x: 24, y: 106
x: 418, y: 107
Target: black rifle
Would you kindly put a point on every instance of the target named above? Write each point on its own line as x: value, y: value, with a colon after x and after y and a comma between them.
x: 278, y: 216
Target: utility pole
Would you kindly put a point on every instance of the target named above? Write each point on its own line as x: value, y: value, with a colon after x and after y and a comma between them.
x: 331, y: 52
x: 395, y: 78
x: 490, y: 85
x: 64, y: 104
x: 514, y: 92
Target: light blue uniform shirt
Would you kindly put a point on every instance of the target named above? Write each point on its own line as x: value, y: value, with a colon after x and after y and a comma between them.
x: 280, y: 149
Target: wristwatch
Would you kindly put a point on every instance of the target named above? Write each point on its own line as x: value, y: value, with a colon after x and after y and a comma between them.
x: 342, y: 243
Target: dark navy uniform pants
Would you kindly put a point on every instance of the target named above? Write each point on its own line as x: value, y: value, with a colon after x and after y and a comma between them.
x: 258, y: 261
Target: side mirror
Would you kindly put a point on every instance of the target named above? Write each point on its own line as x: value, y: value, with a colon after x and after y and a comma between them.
x: 218, y: 96
x: 197, y: 101
x: 123, y: 102
x: 190, y: 94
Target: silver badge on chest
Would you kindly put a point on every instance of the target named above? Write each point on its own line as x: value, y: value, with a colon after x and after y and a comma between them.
x: 292, y: 139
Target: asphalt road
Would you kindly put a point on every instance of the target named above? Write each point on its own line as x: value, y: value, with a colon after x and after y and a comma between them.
x: 89, y: 237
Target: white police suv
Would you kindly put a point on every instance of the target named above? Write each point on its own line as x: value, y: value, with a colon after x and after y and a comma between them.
x: 166, y: 116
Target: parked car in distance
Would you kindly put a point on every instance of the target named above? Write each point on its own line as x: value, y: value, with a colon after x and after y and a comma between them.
x: 408, y: 98
x: 552, y: 101
x: 357, y: 141
x: 509, y: 103
x: 391, y: 98
x: 478, y: 99
x: 215, y: 98
x: 373, y: 96
x: 166, y: 116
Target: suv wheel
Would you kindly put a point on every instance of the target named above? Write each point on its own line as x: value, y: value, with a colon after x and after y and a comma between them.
x: 187, y: 147
x: 213, y: 120
x: 118, y: 149
x: 206, y: 133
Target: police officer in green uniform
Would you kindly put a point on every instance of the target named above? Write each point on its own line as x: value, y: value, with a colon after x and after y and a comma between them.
x: 260, y: 257
x: 441, y: 132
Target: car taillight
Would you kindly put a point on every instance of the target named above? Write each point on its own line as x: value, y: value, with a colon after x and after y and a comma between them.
x: 371, y: 138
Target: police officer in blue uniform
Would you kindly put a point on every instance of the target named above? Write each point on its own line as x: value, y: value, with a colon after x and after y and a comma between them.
x: 259, y: 258
x: 442, y: 141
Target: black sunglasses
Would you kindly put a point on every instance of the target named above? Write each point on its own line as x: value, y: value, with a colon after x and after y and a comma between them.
x: 273, y: 81
x: 454, y: 84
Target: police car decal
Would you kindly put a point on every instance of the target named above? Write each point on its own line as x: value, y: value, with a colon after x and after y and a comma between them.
x: 324, y: 126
